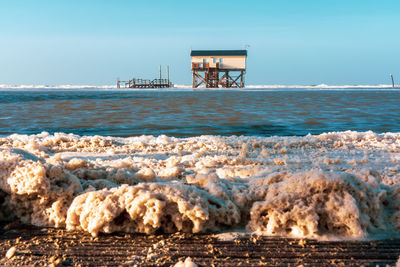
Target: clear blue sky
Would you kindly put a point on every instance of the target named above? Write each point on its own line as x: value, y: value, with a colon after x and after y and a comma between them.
x: 291, y: 42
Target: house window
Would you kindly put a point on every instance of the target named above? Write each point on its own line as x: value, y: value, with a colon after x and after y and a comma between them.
x: 214, y: 60
x: 204, y: 61
x: 220, y: 60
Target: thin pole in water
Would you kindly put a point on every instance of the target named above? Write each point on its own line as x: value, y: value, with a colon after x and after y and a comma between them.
x: 167, y: 73
x: 391, y: 76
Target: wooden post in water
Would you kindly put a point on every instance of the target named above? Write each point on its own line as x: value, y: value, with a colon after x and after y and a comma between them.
x: 391, y: 76
x: 160, y: 75
x: 168, y: 76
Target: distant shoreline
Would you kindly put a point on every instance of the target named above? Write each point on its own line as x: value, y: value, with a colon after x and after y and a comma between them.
x: 183, y: 86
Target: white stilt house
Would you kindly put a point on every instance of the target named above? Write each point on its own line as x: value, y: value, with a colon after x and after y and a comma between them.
x: 218, y: 68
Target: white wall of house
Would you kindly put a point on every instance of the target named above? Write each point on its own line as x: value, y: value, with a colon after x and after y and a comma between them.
x: 228, y: 62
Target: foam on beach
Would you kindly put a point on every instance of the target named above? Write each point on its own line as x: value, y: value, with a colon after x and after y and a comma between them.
x: 333, y: 185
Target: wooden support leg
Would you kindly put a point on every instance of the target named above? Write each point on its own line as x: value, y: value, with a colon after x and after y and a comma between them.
x: 216, y: 79
x: 199, y: 80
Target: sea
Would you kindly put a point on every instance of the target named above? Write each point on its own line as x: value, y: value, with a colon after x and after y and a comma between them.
x: 308, y: 162
x: 194, y: 112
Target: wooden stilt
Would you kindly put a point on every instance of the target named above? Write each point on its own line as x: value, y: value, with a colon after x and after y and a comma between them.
x: 168, y: 75
x: 210, y: 77
x: 241, y: 79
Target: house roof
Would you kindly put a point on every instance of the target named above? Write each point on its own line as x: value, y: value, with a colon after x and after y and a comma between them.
x: 218, y: 53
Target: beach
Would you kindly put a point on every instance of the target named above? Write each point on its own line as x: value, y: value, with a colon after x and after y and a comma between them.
x: 57, y: 247
x: 255, y: 195
x: 212, y: 133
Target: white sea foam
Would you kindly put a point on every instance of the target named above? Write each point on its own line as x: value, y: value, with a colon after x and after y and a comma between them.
x: 307, y: 87
x: 186, y: 86
x: 339, y: 184
x: 65, y: 86
x: 187, y: 263
x: 322, y: 86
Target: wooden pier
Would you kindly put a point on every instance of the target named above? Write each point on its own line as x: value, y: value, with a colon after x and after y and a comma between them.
x: 145, y: 83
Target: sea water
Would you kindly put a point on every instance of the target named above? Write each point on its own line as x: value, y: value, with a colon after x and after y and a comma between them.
x: 187, y: 112
x: 298, y: 162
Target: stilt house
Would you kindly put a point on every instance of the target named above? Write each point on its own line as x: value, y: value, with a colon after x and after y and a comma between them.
x: 218, y: 68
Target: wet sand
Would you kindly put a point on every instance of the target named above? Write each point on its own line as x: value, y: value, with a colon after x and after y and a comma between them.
x: 58, y: 247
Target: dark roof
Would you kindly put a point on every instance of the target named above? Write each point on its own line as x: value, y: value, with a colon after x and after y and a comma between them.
x: 218, y: 53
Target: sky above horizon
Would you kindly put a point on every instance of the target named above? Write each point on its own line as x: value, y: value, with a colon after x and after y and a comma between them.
x: 289, y: 41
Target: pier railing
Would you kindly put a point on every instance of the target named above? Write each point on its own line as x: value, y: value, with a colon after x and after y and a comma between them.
x: 143, y: 83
